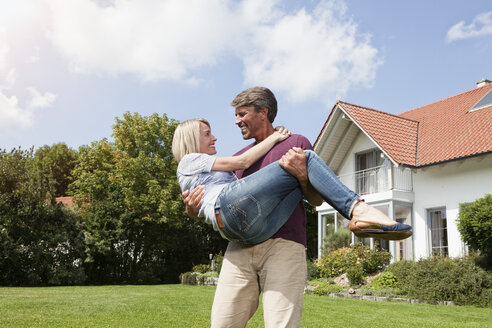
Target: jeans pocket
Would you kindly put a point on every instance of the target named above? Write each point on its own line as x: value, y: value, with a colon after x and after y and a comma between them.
x: 245, y: 211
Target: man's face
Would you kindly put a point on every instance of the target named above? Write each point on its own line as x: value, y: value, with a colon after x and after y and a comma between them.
x: 249, y: 121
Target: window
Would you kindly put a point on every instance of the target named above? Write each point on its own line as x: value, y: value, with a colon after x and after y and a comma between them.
x: 485, y: 102
x: 438, y: 231
x: 331, y: 222
x: 369, y: 177
x: 379, y: 244
x: 404, y: 248
x: 382, y: 244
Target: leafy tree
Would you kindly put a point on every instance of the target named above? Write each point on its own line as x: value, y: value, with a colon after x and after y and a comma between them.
x: 136, y: 228
x: 475, y: 224
x: 55, y: 164
x: 40, y: 243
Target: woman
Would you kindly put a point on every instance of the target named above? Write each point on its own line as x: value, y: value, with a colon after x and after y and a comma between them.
x: 252, y: 209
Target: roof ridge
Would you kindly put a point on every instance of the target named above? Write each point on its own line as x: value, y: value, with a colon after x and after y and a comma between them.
x: 379, y: 111
x: 447, y: 98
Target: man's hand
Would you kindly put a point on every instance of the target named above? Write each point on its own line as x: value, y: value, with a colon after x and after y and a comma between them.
x: 193, y: 200
x: 294, y: 162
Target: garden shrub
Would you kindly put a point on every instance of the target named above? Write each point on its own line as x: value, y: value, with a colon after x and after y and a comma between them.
x: 358, y: 258
x: 444, y: 279
x: 195, y: 278
x: 333, y: 264
x: 324, y: 287
x: 386, y: 280
x: 188, y: 278
x: 219, y: 258
x: 201, y: 268
x: 475, y: 224
x: 401, y: 269
x: 312, y: 270
x: 335, y: 240
x: 371, y: 260
x: 355, y: 275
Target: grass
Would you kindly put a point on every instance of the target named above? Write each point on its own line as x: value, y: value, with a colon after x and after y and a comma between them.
x: 189, y: 306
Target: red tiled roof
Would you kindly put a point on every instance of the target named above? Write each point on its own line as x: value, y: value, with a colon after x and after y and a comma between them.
x: 397, y: 136
x: 67, y: 201
x: 448, y: 130
x: 438, y: 132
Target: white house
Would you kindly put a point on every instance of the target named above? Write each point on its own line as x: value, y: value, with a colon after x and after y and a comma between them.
x: 417, y: 167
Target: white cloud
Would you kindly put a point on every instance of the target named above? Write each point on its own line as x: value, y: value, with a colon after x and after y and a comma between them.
x: 481, y: 25
x: 11, y: 115
x: 154, y: 39
x: 312, y: 55
x: 304, y: 54
x: 39, y: 100
x: 14, y: 116
x: 33, y: 57
x: 18, y: 110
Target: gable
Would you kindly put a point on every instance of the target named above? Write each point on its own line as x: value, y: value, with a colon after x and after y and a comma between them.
x: 441, y: 131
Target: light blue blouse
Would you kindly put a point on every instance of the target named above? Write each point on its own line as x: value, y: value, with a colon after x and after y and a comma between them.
x: 194, y: 170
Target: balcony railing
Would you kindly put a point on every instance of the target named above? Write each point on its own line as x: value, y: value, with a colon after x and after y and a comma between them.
x: 378, y: 179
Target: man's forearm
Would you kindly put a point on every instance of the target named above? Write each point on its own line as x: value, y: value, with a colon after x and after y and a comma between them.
x: 310, y: 194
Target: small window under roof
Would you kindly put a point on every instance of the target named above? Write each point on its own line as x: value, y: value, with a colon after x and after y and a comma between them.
x: 486, y: 101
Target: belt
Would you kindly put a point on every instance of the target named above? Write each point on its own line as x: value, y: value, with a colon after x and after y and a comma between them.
x: 219, y: 220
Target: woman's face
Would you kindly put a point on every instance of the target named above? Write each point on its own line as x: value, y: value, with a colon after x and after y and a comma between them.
x: 207, y: 140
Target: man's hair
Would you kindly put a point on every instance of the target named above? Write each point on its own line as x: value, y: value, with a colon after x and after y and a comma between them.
x: 258, y: 97
x: 186, y: 139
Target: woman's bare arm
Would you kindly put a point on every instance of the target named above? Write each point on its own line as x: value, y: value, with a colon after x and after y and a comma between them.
x: 250, y: 156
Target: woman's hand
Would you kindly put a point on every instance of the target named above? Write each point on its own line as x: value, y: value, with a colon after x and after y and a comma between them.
x: 282, y: 133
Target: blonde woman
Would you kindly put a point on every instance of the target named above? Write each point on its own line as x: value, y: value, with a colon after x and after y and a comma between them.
x: 252, y: 209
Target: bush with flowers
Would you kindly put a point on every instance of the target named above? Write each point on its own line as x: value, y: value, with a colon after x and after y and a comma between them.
x: 356, y: 261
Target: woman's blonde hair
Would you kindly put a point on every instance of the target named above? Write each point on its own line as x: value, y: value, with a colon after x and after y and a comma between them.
x: 186, y: 138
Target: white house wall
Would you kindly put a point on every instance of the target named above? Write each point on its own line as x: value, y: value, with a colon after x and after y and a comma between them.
x: 448, y: 185
x: 362, y: 143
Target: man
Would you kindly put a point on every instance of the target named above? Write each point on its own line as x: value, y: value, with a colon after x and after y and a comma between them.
x: 276, y: 267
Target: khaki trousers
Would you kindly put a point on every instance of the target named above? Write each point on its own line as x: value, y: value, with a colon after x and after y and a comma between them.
x: 277, y: 268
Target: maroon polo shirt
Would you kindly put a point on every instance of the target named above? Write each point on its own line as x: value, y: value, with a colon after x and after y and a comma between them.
x: 295, y: 228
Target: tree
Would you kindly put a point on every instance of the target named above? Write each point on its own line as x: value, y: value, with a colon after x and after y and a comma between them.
x: 55, y: 164
x: 40, y: 243
x: 136, y: 228
x: 475, y: 224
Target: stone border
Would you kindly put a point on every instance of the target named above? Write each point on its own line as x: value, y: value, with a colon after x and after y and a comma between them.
x: 309, y: 289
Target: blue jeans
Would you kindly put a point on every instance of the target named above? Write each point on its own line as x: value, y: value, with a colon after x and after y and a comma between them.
x: 252, y: 209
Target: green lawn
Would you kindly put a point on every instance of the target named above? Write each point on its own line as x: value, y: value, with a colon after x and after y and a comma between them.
x: 189, y: 306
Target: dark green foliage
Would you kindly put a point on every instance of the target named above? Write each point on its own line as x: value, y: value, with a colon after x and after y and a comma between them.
x: 311, y: 231
x: 128, y: 224
x: 41, y: 243
x: 444, y: 279
x: 475, y: 225
x: 401, y: 269
x: 312, y: 270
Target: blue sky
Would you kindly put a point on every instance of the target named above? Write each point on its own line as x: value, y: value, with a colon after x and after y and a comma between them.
x: 69, y: 67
